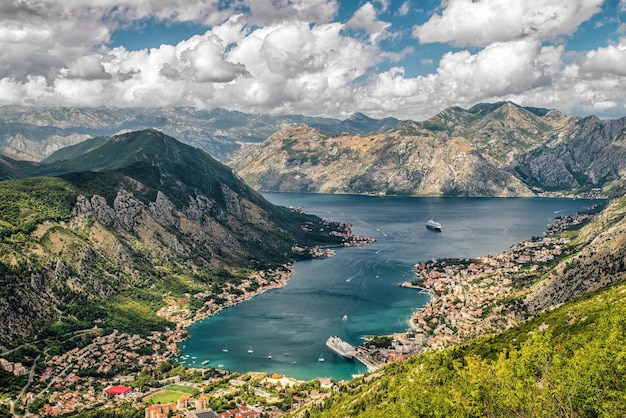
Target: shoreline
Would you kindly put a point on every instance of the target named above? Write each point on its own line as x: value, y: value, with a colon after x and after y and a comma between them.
x: 173, y: 313
x: 270, y: 279
x: 468, y: 295
x: 412, y: 321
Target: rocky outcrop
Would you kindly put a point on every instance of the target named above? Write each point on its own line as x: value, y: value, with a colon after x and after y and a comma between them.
x: 601, y: 262
x: 590, y: 154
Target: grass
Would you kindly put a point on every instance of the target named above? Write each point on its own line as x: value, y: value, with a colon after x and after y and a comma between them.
x: 170, y: 394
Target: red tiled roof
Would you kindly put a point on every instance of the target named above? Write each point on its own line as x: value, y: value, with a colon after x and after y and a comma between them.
x: 117, y: 390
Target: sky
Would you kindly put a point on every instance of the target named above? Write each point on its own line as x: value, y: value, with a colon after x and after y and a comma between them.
x: 407, y: 59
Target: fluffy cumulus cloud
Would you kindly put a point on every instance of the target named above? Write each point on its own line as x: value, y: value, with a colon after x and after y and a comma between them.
x: 295, y: 56
x: 479, y: 23
x: 366, y: 18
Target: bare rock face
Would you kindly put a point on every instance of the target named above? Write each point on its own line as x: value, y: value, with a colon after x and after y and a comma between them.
x: 589, y: 154
x: 303, y: 159
x: 600, y: 263
x: 499, y: 149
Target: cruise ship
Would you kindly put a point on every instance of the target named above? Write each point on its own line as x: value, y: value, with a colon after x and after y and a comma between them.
x: 340, y: 347
x: 434, y: 226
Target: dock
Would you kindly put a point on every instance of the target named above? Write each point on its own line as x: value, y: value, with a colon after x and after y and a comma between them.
x: 349, y: 351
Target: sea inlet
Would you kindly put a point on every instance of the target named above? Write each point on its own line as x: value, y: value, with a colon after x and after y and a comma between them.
x: 355, y: 293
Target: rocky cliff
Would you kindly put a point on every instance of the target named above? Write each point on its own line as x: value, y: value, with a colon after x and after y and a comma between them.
x: 589, y: 153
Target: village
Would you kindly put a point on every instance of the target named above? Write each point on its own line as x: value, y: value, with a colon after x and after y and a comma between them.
x: 471, y: 296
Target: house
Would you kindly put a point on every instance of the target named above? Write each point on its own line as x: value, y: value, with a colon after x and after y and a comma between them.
x: 121, y: 391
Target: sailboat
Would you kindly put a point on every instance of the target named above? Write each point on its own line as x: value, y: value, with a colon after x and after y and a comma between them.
x: 250, y: 350
x: 225, y: 349
x: 321, y: 359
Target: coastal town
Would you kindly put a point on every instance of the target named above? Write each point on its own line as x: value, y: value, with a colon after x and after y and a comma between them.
x: 473, y: 296
x: 96, y: 369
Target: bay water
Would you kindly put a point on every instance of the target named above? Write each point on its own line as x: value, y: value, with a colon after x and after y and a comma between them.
x: 356, y: 293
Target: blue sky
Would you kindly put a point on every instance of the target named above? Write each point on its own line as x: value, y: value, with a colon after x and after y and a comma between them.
x: 403, y: 58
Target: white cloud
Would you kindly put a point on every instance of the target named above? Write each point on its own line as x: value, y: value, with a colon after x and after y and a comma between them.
x: 366, y: 18
x: 207, y: 64
x: 267, y: 12
x: 479, y: 23
x: 88, y: 67
x: 603, y: 61
x: 495, y: 73
x: 290, y: 56
x: 404, y: 8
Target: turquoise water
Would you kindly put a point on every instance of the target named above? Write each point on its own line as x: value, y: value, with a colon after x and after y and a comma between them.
x: 292, y: 323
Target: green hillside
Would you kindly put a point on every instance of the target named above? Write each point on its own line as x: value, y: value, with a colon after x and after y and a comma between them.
x: 120, y: 230
x: 568, y: 362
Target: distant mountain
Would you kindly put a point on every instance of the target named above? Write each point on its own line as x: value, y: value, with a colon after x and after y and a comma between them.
x: 503, y: 130
x: 588, y: 153
x: 140, y: 215
x: 28, y: 133
x: 405, y: 161
x: 498, y: 149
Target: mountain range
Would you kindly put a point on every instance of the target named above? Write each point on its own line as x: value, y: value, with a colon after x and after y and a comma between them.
x: 499, y: 149
x: 491, y: 149
x: 32, y: 134
x: 133, y: 215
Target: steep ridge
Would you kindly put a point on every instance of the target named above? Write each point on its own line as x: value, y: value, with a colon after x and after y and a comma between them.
x: 407, y: 160
x: 498, y: 149
x: 502, y: 130
x: 590, y: 153
x: 601, y: 262
x: 140, y: 211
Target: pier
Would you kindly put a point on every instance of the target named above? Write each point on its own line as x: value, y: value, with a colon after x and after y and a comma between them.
x: 349, y: 351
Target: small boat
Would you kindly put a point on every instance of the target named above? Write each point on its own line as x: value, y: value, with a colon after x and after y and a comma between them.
x: 220, y: 365
x: 205, y: 362
x: 433, y: 226
x: 345, y: 318
x: 349, y: 279
x: 269, y: 357
x: 250, y: 350
x: 321, y: 359
x: 225, y: 349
